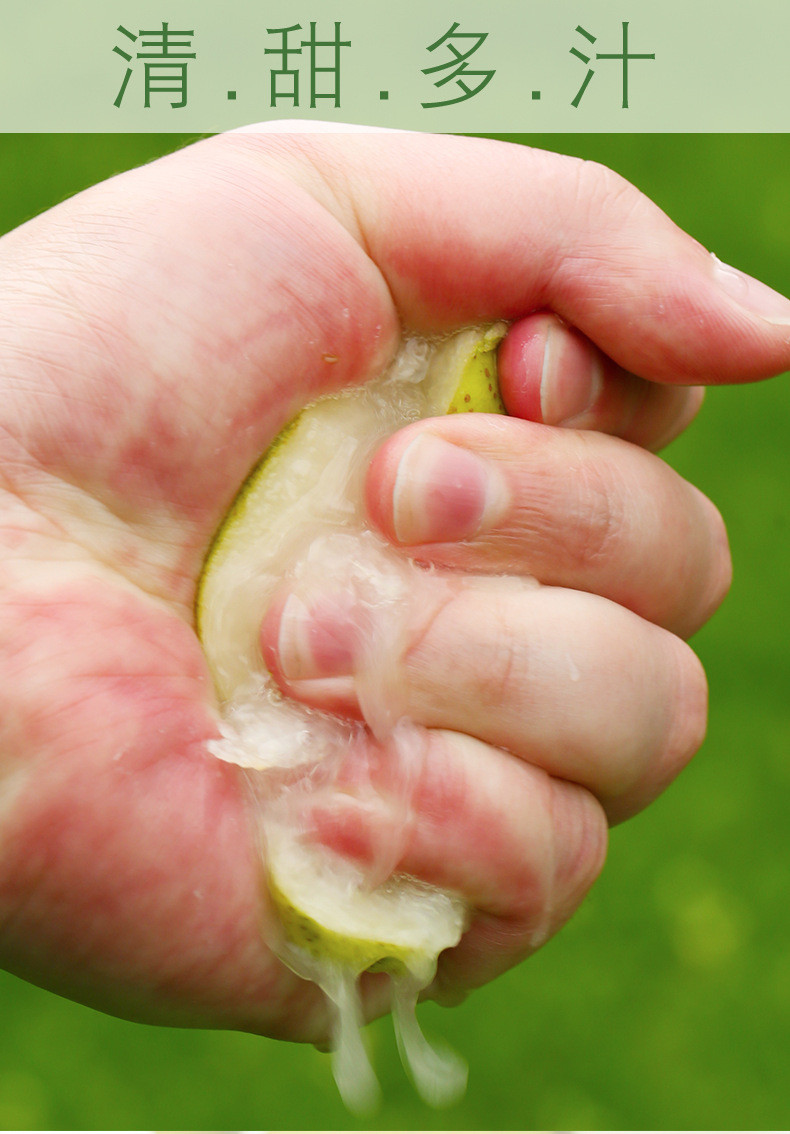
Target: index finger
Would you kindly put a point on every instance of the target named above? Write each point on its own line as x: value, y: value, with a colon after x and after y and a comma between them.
x: 174, y: 318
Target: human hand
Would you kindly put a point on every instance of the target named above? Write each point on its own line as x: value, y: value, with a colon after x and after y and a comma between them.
x: 156, y: 333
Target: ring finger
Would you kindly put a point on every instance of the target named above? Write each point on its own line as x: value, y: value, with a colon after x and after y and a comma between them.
x: 567, y: 681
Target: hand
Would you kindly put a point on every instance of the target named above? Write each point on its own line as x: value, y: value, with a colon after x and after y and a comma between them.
x: 156, y: 332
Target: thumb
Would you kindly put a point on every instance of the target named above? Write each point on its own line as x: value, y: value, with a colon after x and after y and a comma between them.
x: 470, y: 229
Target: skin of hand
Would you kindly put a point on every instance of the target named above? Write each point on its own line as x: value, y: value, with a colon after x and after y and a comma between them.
x: 156, y: 332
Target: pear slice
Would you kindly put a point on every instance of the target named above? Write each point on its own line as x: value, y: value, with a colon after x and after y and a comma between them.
x: 462, y: 375
x: 309, y: 482
x: 326, y: 909
x: 333, y: 925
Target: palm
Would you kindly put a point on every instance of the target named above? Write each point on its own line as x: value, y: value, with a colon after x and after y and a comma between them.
x: 140, y: 397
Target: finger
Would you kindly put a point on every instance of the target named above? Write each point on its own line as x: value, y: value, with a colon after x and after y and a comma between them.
x: 336, y: 241
x: 465, y: 230
x: 520, y: 847
x: 551, y: 373
x: 569, y: 682
x: 498, y: 495
x: 111, y: 892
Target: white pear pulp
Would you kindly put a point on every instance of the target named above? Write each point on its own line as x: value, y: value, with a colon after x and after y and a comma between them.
x: 300, y: 516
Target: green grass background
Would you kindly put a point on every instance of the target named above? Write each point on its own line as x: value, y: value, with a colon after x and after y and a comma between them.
x: 666, y: 1002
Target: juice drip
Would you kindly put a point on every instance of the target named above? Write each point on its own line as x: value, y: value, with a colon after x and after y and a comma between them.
x: 333, y: 927
x: 351, y: 1066
x: 301, y: 517
x: 438, y: 1074
x: 336, y: 920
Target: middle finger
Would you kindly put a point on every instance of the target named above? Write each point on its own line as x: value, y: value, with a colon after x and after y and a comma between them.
x: 576, y: 509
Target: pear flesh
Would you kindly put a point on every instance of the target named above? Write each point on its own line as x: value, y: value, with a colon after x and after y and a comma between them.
x: 300, y: 514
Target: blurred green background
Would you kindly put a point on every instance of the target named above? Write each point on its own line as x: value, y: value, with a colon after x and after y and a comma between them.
x: 666, y: 1002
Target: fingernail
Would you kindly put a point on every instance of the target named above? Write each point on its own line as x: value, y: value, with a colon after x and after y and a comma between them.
x: 444, y: 493
x: 315, y: 643
x: 755, y: 297
x: 571, y: 377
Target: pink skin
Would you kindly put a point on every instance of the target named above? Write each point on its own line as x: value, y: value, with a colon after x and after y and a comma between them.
x: 155, y: 333
x: 666, y: 561
x: 550, y: 372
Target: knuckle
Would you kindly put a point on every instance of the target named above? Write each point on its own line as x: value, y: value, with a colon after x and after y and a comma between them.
x: 576, y: 842
x: 581, y: 840
x: 690, y: 720
x: 604, y: 196
x: 720, y: 572
x: 708, y: 569
x: 500, y: 665
x: 686, y: 726
x: 496, y: 662
x: 610, y: 193
x: 595, y: 535
x: 682, y: 689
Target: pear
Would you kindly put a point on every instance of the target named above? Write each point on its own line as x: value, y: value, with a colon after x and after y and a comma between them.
x: 309, y: 481
x: 305, y: 492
